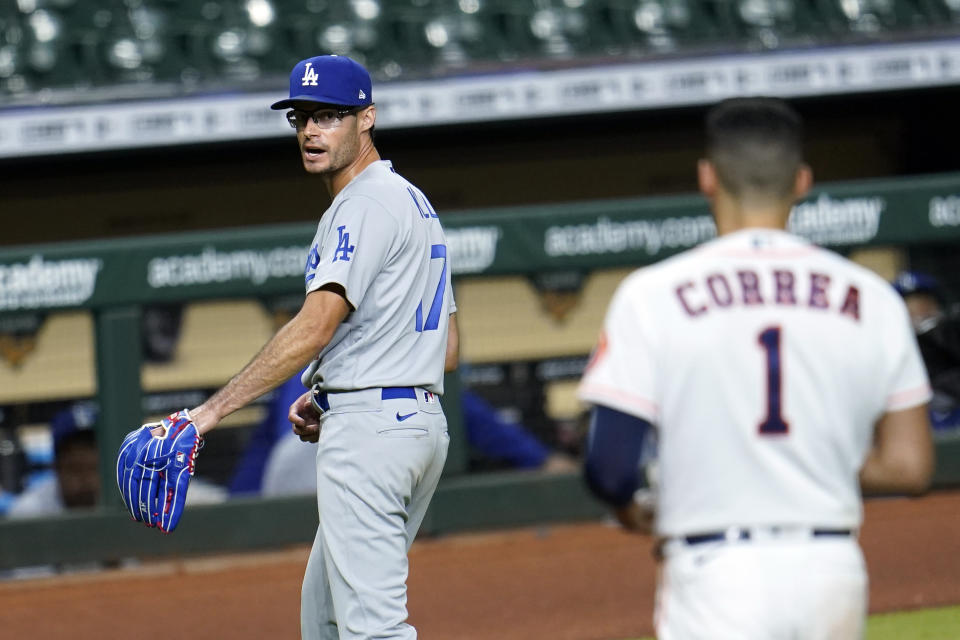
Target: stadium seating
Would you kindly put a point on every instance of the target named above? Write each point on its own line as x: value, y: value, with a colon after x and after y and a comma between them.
x: 68, y: 47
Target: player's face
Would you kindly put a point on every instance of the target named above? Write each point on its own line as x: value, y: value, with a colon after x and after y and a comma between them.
x: 329, y: 141
x: 78, y: 475
x: 924, y: 309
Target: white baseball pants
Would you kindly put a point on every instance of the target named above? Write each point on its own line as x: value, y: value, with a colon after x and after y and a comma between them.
x: 792, y: 588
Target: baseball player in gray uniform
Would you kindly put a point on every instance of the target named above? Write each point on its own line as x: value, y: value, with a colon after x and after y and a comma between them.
x: 377, y: 330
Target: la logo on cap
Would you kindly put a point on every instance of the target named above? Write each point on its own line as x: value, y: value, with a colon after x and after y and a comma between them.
x: 310, y: 76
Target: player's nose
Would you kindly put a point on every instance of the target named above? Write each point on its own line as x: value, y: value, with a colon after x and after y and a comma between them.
x: 311, y: 128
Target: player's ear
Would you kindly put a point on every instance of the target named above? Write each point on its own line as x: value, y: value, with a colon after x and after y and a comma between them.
x: 707, y: 178
x: 367, y: 118
x: 802, y: 181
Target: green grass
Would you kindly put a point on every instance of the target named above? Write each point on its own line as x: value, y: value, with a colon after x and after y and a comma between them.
x: 925, y: 624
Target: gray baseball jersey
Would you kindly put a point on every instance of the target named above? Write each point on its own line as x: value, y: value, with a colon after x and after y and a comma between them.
x: 382, y: 241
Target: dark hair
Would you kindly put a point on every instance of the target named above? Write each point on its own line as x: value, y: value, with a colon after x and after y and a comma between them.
x: 755, y: 145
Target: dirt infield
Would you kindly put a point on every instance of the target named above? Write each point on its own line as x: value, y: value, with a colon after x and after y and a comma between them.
x: 576, y: 582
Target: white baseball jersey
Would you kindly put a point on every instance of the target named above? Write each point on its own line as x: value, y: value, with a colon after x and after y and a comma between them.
x: 381, y: 240
x: 764, y: 361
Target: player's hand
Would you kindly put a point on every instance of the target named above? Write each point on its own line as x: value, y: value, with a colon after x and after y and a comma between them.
x: 635, y: 519
x: 305, y: 419
x: 638, y: 515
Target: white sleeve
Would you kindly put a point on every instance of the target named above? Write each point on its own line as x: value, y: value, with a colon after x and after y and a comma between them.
x: 453, y: 303
x: 354, y: 250
x: 620, y: 374
x: 907, y: 384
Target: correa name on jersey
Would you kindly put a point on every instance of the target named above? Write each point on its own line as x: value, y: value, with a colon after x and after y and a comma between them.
x: 779, y: 286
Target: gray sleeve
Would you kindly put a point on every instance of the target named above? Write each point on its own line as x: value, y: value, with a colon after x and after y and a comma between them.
x: 354, y: 249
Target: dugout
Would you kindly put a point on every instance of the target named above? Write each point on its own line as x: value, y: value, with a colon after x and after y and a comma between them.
x: 878, y: 222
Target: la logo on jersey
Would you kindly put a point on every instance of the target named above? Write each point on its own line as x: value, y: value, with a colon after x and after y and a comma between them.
x: 344, y: 248
x: 309, y: 76
x: 312, y: 261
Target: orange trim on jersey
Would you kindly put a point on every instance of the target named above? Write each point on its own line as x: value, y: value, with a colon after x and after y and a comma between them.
x: 909, y: 398
x: 598, y: 353
x: 647, y: 406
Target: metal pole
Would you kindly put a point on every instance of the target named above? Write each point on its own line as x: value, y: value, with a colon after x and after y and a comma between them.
x: 118, y: 390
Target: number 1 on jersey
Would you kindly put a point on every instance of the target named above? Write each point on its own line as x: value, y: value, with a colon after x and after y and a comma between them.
x: 773, y: 423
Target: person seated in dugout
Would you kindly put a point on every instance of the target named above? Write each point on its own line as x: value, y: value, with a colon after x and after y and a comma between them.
x: 938, y: 335
x: 75, y: 482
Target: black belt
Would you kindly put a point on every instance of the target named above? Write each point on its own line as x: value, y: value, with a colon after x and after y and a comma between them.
x: 744, y: 534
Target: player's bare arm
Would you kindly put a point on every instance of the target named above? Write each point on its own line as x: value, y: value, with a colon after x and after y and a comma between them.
x: 452, y: 359
x: 901, y: 459
x: 293, y: 346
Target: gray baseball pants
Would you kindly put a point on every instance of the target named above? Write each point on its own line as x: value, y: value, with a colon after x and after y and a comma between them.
x: 378, y: 463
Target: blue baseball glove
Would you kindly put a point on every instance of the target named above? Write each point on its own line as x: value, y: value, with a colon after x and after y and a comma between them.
x: 154, y: 471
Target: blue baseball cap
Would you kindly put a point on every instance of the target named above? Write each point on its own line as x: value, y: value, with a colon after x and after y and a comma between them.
x: 77, y: 418
x: 329, y: 80
x: 908, y: 282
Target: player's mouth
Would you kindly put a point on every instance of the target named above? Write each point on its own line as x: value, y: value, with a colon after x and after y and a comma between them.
x: 313, y: 153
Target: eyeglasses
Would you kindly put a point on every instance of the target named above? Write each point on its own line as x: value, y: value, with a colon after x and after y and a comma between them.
x: 326, y: 118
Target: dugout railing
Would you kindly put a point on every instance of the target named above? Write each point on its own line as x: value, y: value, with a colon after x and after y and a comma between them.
x: 114, y: 278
